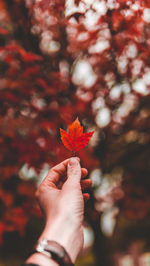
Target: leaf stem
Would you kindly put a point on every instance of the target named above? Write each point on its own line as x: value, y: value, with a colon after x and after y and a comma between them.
x: 74, y: 154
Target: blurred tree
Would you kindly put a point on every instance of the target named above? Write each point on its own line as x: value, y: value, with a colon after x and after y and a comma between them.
x: 63, y: 59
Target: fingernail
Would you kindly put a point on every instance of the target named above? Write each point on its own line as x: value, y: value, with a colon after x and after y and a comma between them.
x: 73, y: 161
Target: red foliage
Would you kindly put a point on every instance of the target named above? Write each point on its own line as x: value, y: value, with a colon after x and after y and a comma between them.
x: 41, y: 90
x: 75, y: 140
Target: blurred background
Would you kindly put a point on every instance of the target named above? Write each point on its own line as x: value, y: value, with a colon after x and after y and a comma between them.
x: 59, y: 60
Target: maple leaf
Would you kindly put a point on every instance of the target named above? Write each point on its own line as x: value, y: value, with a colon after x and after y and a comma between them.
x: 75, y: 140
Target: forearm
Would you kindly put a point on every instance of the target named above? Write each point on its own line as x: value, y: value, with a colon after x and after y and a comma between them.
x: 64, y: 234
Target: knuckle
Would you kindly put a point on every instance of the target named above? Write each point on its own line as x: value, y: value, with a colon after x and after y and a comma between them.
x: 40, y: 190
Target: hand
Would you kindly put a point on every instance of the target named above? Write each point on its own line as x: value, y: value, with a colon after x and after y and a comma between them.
x: 61, y: 199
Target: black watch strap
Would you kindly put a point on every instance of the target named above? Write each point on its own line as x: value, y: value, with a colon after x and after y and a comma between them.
x: 54, y: 251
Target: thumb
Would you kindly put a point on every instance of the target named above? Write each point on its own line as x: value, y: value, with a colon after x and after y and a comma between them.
x: 73, y: 171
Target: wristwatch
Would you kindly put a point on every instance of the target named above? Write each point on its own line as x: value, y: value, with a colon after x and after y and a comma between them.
x: 54, y: 251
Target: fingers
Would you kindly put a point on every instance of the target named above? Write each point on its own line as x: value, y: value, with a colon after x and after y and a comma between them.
x: 61, y: 168
x: 84, y: 172
x: 85, y: 184
x: 63, y: 178
x: 73, y: 171
x: 58, y: 172
x: 86, y: 197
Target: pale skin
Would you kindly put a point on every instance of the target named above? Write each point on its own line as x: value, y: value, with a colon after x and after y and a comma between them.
x: 62, y: 201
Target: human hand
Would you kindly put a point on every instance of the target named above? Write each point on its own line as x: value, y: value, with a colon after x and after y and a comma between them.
x: 61, y: 199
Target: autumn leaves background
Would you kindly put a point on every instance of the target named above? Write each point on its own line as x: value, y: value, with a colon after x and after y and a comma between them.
x: 65, y: 59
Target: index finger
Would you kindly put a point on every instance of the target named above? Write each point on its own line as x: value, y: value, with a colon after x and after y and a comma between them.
x: 57, y: 171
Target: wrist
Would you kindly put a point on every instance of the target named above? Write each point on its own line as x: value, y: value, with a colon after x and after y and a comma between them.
x: 71, y: 238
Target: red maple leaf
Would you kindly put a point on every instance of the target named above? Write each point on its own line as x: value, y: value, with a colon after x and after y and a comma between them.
x: 75, y: 140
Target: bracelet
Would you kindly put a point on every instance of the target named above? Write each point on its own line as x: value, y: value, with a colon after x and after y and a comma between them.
x: 55, y: 251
